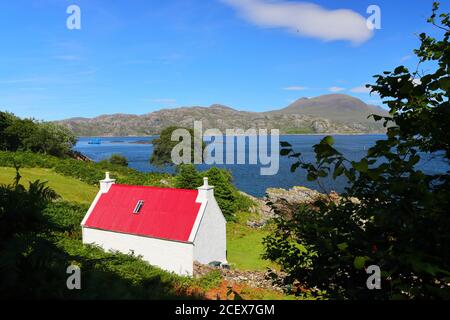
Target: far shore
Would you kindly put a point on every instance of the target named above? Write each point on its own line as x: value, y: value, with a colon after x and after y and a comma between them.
x: 283, y: 134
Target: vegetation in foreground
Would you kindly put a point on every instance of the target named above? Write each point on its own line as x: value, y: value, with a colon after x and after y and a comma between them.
x: 41, y: 237
x: 392, y: 215
x: 49, y: 246
x: 67, y: 188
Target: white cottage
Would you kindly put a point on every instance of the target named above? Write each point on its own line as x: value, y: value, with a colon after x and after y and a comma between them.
x: 169, y: 228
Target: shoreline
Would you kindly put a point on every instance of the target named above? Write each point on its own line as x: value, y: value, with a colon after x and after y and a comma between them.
x: 287, y: 134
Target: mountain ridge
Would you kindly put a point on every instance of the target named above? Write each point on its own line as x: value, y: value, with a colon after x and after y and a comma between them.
x: 333, y: 113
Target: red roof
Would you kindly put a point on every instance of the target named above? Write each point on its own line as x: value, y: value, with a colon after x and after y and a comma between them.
x: 166, y: 213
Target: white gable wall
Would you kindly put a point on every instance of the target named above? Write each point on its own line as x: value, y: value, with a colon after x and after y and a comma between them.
x: 168, y: 255
x: 210, y: 241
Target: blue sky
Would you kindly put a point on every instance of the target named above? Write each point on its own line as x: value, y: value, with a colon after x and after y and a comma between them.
x: 143, y: 55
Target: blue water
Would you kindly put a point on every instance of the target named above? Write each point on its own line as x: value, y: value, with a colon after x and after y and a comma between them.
x: 247, y: 177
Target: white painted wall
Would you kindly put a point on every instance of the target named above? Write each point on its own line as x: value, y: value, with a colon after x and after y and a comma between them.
x: 210, y: 241
x: 168, y: 255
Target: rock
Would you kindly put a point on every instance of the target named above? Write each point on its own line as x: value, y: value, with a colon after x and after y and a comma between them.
x: 256, y: 224
x: 264, y: 212
x: 164, y: 182
x: 257, y: 279
x: 285, y: 202
x: 214, y: 264
x: 294, y: 195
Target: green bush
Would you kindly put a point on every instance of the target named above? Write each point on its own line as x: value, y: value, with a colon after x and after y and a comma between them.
x: 224, y: 191
x: 85, y: 171
x: 163, y: 146
x: 229, y: 199
x: 392, y: 215
x: 31, y: 135
x: 27, y: 159
x: 116, y: 159
x: 187, y: 177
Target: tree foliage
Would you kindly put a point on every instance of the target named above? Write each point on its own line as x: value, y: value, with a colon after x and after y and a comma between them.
x: 227, y: 195
x: 162, y: 147
x: 393, y: 214
x: 31, y: 135
x: 116, y: 159
x: 187, y: 177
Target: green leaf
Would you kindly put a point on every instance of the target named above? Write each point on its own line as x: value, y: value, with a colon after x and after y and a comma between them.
x: 337, y: 172
x: 361, y: 166
x: 322, y: 173
x: 295, y: 166
x: 359, y: 262
x: 285, y: 144
x: 328, y: 140
x: 342, y: 246
x: 285, y: 152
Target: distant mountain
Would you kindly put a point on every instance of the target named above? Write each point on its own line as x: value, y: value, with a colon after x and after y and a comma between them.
x: 334, y: 113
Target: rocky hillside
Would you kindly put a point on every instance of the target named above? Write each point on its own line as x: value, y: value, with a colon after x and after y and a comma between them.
x: 334, y: 113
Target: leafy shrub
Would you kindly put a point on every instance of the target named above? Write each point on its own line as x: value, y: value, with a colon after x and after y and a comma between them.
x: 392, y: 215
x: 229, y: 199
x: 210, y: 280
x: 31, y: 135
x: 187, y: 177
x: 116, y: 159
x: 85, y: 171
x: 162, y: 147
x: 224, y: 191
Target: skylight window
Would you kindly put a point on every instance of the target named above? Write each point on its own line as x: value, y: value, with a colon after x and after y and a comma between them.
x: 138, y: 207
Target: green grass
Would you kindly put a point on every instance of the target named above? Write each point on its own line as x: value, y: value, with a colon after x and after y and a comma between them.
x: 244, y: 247
x: 69, y: 189
x: 244, y: 243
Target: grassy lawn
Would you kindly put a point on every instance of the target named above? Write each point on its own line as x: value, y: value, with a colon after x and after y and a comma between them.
x: 69, y: 189
x: 244, y: 247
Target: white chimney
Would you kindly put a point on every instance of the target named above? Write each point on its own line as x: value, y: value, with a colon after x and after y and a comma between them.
x: 205, y: 192
x: 106, y: 183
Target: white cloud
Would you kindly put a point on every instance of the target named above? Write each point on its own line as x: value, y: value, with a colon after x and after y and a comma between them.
x: 361, y: 89
x: 336, y: 89
x: 295, y: 88
x: 305, y: 19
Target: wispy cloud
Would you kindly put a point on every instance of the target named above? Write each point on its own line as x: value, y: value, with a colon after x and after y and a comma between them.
x: 305, y: 19
x: 295, y: 88
x: 86, y: 72
x: 68, y: 58
x: 336, y: 89
x: 405, y: 58
x: 360, y: 89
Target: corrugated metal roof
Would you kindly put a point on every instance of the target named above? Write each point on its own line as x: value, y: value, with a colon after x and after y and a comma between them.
x: 166, y: 213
